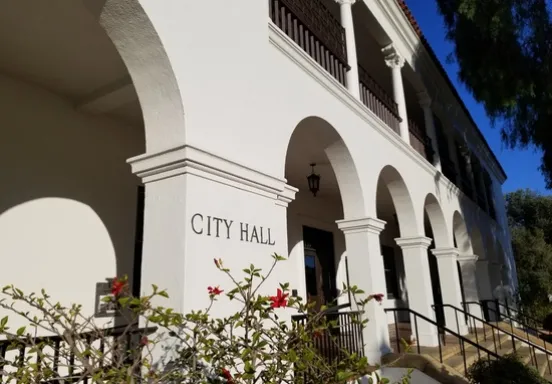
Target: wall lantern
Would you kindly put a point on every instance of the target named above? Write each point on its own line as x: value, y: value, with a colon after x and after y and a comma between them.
x: 314, y: 181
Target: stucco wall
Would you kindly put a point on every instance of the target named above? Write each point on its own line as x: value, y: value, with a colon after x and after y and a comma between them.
x: 67, y: 197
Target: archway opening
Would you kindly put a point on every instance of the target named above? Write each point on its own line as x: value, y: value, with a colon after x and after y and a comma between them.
x: 314, y: 239
x: 394, y: 206
x: 435, y: 228
x: 71, y: 118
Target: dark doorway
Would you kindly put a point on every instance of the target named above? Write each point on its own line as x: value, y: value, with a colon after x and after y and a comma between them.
x: 138, y: 241
x: 320, y: 271
x: 436, y: 288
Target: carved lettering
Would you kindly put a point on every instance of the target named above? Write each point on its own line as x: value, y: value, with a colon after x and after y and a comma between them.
x: 212, y: 226
x: 200, y: 216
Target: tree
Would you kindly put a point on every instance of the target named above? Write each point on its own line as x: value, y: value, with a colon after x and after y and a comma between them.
x: 504, y: 52
x: 530, y: 220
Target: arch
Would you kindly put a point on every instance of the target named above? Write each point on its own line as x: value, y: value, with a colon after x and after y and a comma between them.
x: 437, y: 221
x: 135, y: 38
x: 402, y: 201
x: 461, y: 235
x: 478, y: 245
x: 325, y: 144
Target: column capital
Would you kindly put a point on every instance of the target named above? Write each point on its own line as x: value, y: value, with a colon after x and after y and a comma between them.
x: 468, y: 258
x: 342, y: 2
x: 413, y: 242
x: 424, y: 99
x: 361, y: 224
x: 483, y: 262
x: 392, y: 58
x: 446, y: 253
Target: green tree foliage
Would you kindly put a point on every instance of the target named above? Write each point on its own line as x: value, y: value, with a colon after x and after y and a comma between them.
x: 530, y: 220
x: 504, y: 52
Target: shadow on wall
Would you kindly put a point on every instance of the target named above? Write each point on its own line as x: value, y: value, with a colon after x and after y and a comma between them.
x: 68, y: 198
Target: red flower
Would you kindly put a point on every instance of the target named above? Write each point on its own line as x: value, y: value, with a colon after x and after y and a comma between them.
x: 378, y: 297
x: 117, y: 287
x: 227, y: 375
x: 144, y: 340
x: 214, y: 291
x: 280, y: 300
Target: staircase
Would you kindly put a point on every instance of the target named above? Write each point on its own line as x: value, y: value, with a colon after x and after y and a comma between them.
x: 456, y: 353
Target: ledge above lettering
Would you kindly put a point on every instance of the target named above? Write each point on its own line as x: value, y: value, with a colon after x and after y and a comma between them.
x: 186, y: 159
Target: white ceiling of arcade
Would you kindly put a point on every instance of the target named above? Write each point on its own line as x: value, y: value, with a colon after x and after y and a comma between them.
x: 59, y: 45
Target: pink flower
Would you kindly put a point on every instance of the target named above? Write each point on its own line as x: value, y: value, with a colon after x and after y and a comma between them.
x: 214, y: 291
x: 117, y: 287
x: 280, y: 300
x: 378, y: 297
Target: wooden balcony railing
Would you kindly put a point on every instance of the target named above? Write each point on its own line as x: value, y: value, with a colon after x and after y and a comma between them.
x: 311, y: 25
x: 378, y: 101
x: 420, y: 141
x: 448, y: 169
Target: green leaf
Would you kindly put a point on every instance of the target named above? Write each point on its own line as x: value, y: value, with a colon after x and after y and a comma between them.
x: 20, y: 331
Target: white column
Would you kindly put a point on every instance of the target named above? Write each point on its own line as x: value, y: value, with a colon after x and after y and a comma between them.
x: 418, y: 286
x: 425, y: 103
x: 396, y: 62
x: 366, y: 272
x: 468, y: 269
x: 450, y: 288
x: 353, y: 84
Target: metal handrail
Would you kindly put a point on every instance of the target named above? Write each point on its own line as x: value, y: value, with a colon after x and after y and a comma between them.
x: 461, y: 339
x: 532, y: 346
x: 510, y: 309
x: 518, y: 315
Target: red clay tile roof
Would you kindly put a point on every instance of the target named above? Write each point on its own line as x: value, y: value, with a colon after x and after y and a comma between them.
x: 418, y: 30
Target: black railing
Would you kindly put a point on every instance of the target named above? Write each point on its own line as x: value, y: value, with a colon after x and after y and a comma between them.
x: 478, y: 325
x: 312, y: 26
x: 442, y: 333
x: 502, y: 312
x: 121, y: 344
x: 343, y: 334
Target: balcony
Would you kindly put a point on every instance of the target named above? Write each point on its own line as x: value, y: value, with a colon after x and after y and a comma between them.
x: 420, y: 141
x: 311, y: 25
x: 378, y: 101
x: 317, y: 31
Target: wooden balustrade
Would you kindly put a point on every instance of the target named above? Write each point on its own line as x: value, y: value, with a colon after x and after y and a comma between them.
x: 378, y: 101
x: 311, y: 25
x: 420, y: 141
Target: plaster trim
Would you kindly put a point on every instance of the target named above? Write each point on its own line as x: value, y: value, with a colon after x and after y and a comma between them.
x: 286, y: 196
x: 468, y: 258
x: 361, y: 224
x: 413, y: 242
x: 446, y: 253
x: 186, y: 159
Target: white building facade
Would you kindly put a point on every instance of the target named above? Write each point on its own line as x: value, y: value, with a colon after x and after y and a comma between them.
x: 146, y: 138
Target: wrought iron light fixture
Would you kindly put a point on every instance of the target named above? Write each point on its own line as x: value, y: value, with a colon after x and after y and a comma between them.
x: 314, y: 181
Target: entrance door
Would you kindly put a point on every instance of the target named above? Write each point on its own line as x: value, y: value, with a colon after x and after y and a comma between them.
x: 320, y: 271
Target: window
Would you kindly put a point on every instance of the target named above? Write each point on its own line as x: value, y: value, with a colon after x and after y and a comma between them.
x: 390, y: 268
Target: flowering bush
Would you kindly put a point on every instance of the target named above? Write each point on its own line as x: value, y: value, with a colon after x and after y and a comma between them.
x: 250, y: 346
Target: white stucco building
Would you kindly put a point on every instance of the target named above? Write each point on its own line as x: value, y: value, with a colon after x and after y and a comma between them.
x: 216, y: 109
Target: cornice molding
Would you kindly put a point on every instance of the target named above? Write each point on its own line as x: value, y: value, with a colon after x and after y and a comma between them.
x: 446, y: 253
x: 186, y: 159
x: 413, y: 242
x: 468, y: 258
x: 362, y: 224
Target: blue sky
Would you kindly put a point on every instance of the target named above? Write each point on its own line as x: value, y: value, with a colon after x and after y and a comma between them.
x: 520, y: 166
